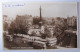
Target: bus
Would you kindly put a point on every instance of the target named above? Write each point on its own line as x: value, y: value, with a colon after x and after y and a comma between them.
x: 51, y: 41
x: 39, y: 45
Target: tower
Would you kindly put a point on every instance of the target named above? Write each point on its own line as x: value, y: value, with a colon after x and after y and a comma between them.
x: 40, y: 14
x: 41, y: 26
x: 40, y: 18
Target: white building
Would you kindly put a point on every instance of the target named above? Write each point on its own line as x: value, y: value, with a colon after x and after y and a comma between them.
x: 36, y: 31
x: 42, y: 29
x: 51, y: 29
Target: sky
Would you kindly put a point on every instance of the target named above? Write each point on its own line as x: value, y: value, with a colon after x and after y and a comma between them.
x: 49, y: 9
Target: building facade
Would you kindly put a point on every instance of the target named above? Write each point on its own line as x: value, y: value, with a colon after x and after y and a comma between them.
x: 24, y: 19
x: 72, y: 21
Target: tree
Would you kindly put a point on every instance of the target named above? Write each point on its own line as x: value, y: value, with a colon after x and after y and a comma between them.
x: 60, y: 28
x: 5, y: 26
x: 18, y: 26
x: 36, y: 21
x: 53, y: 22
x: 47, y: 32
x: 13, y: 29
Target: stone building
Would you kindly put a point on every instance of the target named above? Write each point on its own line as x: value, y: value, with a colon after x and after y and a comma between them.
x: 24, y: 19
x: 72, y: 21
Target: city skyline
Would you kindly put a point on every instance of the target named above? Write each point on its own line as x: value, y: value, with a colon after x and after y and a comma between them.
x: 49, y: 9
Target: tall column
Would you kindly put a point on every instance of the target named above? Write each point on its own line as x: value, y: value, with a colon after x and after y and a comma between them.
x: 40, y: 14
x: 41, y: 26
x: 40, y: 18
